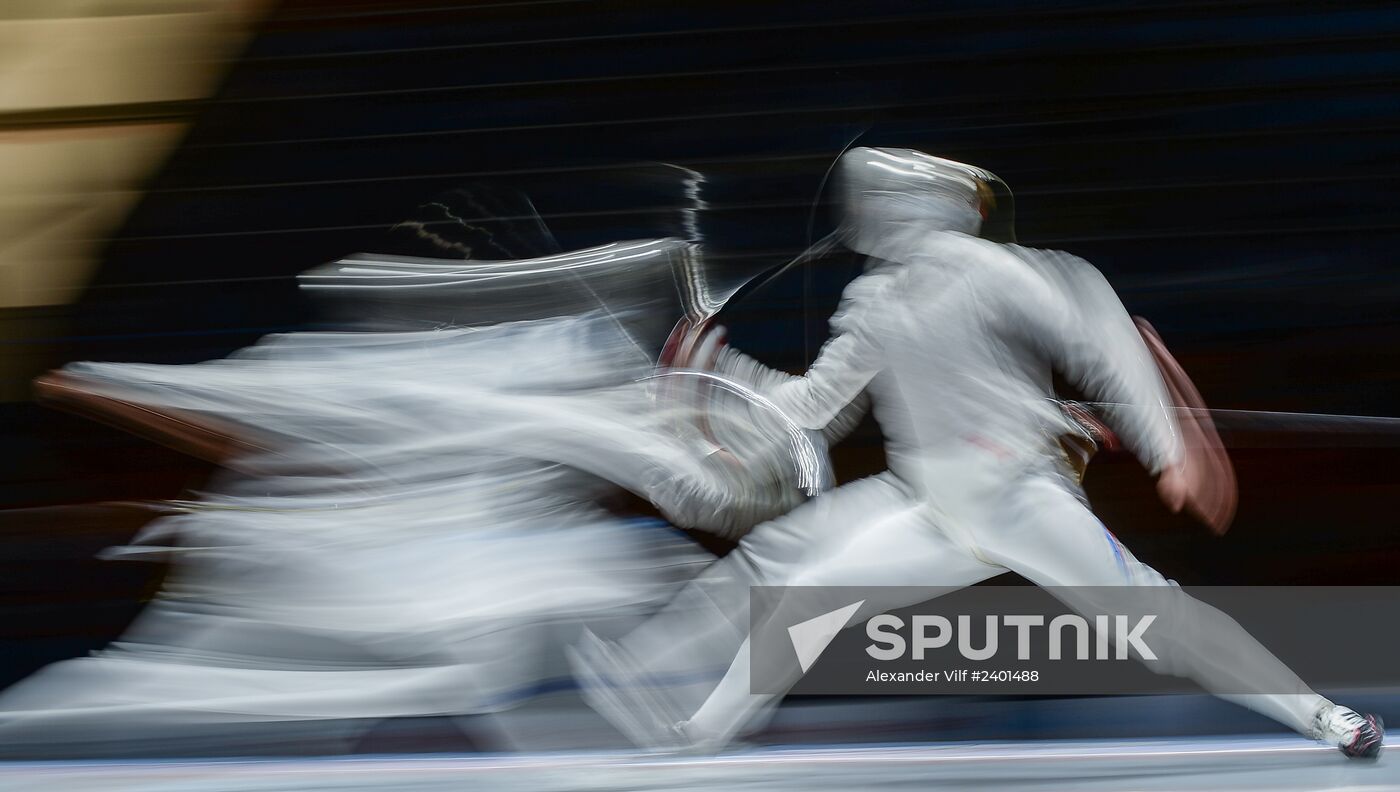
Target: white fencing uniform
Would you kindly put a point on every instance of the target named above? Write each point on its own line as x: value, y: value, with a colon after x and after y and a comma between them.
x: 955, y: 339
x: 418, y: 529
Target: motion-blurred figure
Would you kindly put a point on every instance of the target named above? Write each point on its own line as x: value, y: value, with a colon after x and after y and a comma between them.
x: 410, y: 523
x: 955, y: 339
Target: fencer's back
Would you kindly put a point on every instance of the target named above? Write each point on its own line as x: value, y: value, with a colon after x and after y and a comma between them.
x: 964, y: 389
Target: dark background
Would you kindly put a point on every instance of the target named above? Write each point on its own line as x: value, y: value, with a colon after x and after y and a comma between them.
x: 1231, y: 166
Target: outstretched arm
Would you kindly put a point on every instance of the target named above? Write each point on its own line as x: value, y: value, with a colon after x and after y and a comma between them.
x: 830, y: 396
x: 774, y: 384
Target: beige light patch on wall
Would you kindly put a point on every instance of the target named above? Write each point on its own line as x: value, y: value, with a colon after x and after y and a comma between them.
x: 94, y: 95
x: 81, y: 82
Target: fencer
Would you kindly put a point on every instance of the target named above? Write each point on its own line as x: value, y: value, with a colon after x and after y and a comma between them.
x: 409, y: 518
x: 955, y: 339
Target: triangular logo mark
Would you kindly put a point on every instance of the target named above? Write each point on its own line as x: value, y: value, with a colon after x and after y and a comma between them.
x: 810, y: 638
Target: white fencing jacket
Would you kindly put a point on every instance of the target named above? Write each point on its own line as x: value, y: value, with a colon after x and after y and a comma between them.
x: 956, y: 340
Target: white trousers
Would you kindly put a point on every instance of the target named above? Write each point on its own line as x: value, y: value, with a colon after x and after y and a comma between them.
x: 873, y: 532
